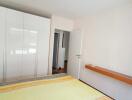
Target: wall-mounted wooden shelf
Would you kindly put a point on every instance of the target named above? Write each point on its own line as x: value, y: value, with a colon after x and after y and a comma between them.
x: 124, y: 78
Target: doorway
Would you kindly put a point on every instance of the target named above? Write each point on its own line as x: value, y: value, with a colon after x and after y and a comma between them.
x: 60, y: 51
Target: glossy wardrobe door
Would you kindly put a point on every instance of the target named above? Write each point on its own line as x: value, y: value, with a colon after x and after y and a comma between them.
x: 14, y: 44
x: 2, y: 41
x: 30, y: 46
x: 36, y: 45
x: 43, y: 46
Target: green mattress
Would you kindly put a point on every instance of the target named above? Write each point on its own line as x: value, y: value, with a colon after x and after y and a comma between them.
x: 63, y: 88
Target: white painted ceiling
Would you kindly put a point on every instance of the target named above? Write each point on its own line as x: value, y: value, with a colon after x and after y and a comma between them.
x: 66, y: 8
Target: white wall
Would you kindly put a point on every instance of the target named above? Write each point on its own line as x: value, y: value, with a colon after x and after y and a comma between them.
x: 61, y: 23
x: 107, y: 42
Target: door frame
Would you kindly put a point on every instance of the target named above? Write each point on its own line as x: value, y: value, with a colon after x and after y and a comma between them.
x: 61, y: 23
x: 51, y: 49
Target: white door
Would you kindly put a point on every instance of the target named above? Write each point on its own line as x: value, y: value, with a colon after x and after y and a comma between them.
x: 43, y: 46
x: 2, y: 41
x: 29, y: 46
x: 14, y: 44
x: 74, y: 58
x: 36, y: 46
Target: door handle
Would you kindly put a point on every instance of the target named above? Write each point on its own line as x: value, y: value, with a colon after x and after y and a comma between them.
x: 79, y: 56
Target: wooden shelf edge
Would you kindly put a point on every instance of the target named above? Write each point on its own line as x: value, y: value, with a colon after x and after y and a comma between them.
x: 118, y: 76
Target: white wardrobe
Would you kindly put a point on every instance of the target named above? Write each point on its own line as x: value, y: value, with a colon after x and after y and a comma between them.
x: 24, y: 45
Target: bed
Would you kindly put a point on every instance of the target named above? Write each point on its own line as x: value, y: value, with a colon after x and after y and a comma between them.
x: 60, y: 88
